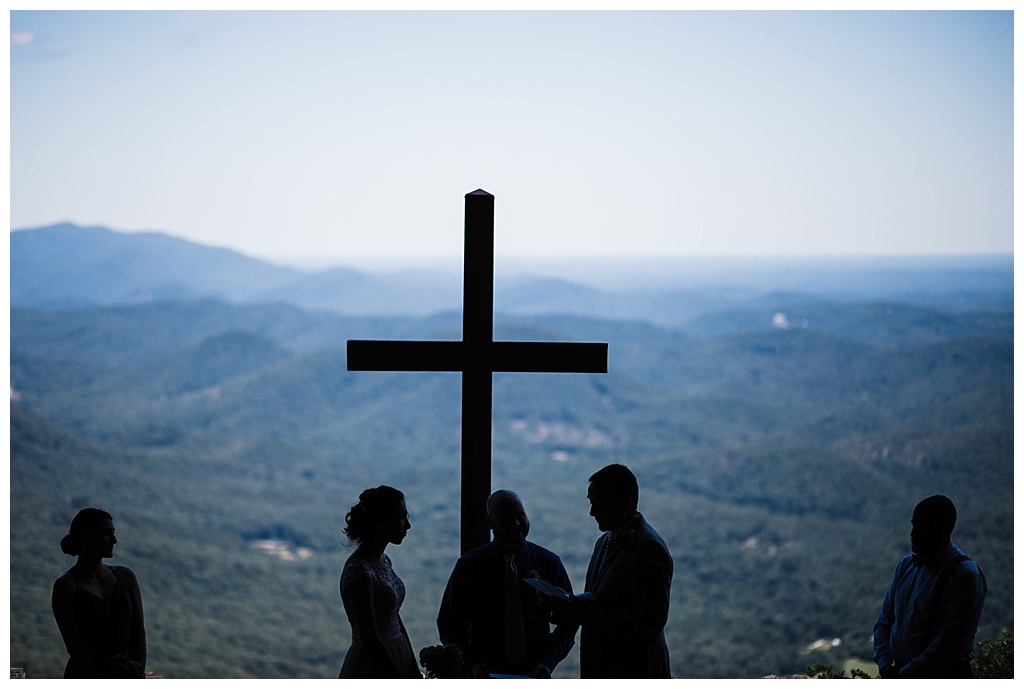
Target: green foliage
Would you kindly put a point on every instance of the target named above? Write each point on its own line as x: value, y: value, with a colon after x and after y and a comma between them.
x: 993, y: 659
x: 779, y: 466
x: 824, y: 671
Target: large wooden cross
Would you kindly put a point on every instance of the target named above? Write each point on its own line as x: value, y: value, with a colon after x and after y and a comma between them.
x: 477, y: 356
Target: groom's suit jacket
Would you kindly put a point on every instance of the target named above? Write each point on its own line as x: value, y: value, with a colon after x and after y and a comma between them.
x: 629, y: 576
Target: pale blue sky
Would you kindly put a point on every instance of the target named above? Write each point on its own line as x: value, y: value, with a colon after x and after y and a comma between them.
x: 354, y: 134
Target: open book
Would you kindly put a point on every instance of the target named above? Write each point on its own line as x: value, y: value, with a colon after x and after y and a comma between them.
x: 546, y: 588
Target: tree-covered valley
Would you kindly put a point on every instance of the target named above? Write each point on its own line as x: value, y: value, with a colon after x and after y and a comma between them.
x: 781, y: 441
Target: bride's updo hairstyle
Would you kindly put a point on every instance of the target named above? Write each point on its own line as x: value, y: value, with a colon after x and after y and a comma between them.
x: 375, y: 505
x: 86, y: 521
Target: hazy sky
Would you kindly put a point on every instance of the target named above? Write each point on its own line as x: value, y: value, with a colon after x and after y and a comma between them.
x: 353, y: 134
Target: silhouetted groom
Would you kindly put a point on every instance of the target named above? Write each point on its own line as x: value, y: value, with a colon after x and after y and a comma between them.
x: 625, y: 607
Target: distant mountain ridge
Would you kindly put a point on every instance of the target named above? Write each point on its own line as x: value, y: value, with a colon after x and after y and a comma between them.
x: 68, y: 266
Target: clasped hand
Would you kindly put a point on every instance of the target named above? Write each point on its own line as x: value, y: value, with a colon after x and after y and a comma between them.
x: 888, y: 672
x: 565, y: 606
x: 483, y: 671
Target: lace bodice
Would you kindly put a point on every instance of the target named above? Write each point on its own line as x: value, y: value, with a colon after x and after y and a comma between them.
x: 388, y: 594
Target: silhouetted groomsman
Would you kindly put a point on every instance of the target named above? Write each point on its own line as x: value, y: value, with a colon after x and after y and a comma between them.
x: 625, y: 607
x: 491, y: 614
x: 930, y: 614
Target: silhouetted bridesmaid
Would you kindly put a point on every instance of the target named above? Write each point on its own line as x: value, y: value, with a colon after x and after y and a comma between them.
x: 98, y: 607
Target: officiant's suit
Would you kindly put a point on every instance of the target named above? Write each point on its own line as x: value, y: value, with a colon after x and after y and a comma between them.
x: 630, y: 575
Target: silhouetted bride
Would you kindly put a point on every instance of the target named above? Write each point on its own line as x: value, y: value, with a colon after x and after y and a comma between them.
x: 372, y: 592
x: 98, y: 607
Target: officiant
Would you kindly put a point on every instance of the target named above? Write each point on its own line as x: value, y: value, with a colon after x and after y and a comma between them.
x: 492, y: 614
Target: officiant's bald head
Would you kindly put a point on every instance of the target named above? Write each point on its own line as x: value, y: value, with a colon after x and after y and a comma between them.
x: 507, y: 520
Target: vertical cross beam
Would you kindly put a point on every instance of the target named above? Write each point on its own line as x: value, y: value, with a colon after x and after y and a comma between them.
x: 477, y: 336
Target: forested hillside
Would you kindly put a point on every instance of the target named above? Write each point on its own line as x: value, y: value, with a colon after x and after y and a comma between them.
x: 780, y: 448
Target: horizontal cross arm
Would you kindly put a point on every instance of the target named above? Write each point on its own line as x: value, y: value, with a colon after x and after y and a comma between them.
x: 551, y: 357
x: 404, y: 355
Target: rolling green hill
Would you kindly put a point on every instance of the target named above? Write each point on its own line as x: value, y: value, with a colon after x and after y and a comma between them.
x: 779, y: 464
